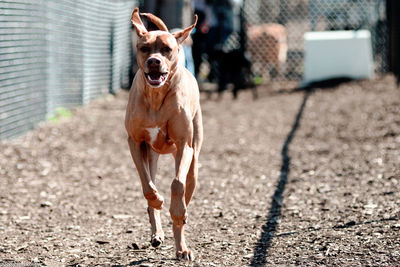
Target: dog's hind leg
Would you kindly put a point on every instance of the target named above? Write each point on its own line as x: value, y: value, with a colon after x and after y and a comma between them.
x: 191, y: 179
x: 157, y: 234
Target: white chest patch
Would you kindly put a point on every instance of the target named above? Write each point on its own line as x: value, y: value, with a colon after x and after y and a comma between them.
x: 153, y: 133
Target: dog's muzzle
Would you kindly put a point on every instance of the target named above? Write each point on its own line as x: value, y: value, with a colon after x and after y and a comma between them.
x: 155, y: 76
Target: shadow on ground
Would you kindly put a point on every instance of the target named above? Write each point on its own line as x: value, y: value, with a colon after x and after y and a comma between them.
x: 269, y: 228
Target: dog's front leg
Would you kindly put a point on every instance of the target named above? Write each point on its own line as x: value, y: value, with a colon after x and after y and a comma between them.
x: 183, y: 159
x: 140, y: 157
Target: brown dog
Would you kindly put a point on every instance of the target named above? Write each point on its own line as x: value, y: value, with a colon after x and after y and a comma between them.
x: 163, y: 116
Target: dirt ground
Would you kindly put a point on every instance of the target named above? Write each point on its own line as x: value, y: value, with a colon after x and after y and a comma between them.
x: 295, y: 178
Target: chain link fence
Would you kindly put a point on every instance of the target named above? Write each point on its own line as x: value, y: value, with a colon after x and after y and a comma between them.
x: 275, y: 30
x: 59, y: 53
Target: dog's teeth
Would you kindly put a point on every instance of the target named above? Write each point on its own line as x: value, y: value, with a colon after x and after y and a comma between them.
x: 156, y: 78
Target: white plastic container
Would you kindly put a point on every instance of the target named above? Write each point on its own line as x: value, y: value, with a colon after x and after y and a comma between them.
x: 337, y: 54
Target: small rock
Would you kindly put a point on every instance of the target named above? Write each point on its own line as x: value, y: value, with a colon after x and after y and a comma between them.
x: 248, y: 256
x: 102, y: 242
x: 122, y: 216
x: 46, y: 204
x: 135, y: 246
x: 396, y: 226
x: 370, y: 206
x: 22, y: 248
x: 3, y: 212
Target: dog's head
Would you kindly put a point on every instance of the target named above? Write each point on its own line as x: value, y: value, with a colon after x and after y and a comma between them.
x: 157, y: 51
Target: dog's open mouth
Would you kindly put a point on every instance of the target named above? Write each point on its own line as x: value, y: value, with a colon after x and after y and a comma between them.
x: 156, y: 78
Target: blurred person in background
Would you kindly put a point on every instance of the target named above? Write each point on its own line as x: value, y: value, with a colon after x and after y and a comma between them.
x: 217, y: 21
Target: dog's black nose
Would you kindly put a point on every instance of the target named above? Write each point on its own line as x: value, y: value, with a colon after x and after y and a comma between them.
x: 153, y: 61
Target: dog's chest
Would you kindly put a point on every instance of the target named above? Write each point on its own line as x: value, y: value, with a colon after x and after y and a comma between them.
x: 152, y: 132
x: 157, y: 138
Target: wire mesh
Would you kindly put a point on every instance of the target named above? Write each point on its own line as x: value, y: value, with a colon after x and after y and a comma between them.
x: 59, y: 54
x: 23, y: 65
x: 276, y: 28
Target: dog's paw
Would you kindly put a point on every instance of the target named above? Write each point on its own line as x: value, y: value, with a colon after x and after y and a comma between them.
x: 185, y: 255
x: 154, y: 200
x: 156, y: 240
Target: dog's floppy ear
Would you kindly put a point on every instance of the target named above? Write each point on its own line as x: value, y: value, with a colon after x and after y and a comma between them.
x: 137, y: 22
x: 182, y: 35
x: 156, y: 20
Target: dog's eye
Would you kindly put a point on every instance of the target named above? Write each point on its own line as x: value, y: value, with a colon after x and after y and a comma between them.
x: 166, y: 49
x: 145, y: 49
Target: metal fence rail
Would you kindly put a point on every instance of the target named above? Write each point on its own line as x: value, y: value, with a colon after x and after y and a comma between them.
x: 299, y: 16
x: 59, y: 53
